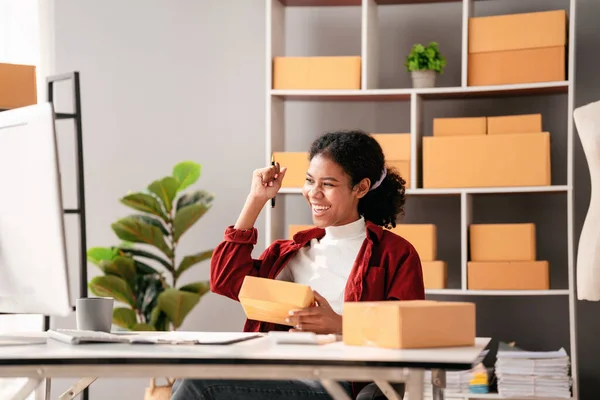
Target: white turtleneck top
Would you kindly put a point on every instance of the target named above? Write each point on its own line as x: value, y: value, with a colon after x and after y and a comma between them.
x: 325, y: 264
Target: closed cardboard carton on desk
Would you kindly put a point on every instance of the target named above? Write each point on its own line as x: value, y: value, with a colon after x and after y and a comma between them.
x: 409, y: 324
x: 270, y: 300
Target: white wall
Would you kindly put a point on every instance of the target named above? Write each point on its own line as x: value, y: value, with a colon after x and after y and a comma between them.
x: 162, y: 82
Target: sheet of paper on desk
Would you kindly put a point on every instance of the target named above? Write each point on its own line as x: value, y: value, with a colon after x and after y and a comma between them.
x: 200, y: 338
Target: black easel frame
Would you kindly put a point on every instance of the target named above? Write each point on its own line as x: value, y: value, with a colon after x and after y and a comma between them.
x: 80, y: 210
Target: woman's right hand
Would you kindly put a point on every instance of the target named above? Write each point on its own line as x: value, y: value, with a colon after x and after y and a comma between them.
x: 266, y: 182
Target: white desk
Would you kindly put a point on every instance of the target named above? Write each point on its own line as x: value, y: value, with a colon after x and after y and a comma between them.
x: 253, y: 359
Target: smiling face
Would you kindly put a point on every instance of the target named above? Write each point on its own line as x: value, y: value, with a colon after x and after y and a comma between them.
x: 329, y: 192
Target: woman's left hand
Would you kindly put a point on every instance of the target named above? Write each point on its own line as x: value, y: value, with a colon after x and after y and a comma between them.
x: 320, y: 319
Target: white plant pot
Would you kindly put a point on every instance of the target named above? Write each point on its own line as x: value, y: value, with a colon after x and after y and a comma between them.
x: 423, y: 79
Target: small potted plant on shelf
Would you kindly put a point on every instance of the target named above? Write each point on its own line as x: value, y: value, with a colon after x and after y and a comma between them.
x: 424, y: 63
x: 145, y: 280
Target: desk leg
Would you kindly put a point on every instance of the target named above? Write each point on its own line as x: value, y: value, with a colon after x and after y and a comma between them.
x: 77, y: 388
x: 438, y: 383
x: 415, y: 384
x: 43, y: 392
x: 29, y: 387
x: 335, y: 390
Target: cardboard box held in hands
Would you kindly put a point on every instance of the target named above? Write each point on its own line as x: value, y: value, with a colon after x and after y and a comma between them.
x: 270, y: 300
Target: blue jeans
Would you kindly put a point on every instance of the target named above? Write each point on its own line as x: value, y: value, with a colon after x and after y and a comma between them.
x: 198, y: 389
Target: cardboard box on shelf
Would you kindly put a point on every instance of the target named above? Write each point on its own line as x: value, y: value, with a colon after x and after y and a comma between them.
x: 508, y: 275
x: 423, y: 237
x: 18, y: 86
x: 270, y: 300
x: 293, y: 229
x: 297, y: 165
x: 518, y: 31
x: 459, y: 126
x: 317, y: 73
x: 403, y: 168
x: 546, y: 64
x: 396, y: 148
x: 486, y: 160
x: 435, y: 274
x: 409, y: 324
x: 524, y: 123
x: 502, y: 242
x: 517, y: 48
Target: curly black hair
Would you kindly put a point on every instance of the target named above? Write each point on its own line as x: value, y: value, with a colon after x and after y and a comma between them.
x: 361, y: 156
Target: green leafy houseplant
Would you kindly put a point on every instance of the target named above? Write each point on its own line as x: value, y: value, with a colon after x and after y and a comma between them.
x: 425, y: 58
x: 424, y: 62
x: 145, y: 280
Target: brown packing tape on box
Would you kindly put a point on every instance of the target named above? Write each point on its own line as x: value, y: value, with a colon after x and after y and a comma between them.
x: 508, y: 275
x: 270, y: 300
x: 514, y: 124
x: 409, y: 324
x: 486, y: 160
x: 317, y: 73
x: 502, y: 242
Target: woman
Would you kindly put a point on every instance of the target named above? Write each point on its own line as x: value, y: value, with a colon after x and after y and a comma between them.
x: 348, y: 256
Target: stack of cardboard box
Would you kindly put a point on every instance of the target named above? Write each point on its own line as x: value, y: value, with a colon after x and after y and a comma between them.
x: 517, y: 48
x: 423, y: 237
x: 503, y: 257
x: 317, y: 73
x: 487, y: 152
x: 18, y: 87
x: 396, y: 149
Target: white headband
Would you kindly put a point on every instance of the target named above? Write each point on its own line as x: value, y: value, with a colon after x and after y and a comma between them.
x: 376, y: 184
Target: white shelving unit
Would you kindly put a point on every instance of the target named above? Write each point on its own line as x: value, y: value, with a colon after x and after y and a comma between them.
x: 275, y: 100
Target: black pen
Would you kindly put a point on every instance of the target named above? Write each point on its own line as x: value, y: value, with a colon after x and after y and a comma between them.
x: 272, y: 163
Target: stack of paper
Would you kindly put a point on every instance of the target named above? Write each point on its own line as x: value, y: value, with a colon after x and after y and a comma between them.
x: 457, y: 382
x: 539, y: 374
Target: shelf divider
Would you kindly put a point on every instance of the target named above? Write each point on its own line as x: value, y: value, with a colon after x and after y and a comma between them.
x: 370, y: 45
x: 466, y: 217
x: 468, y: 12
